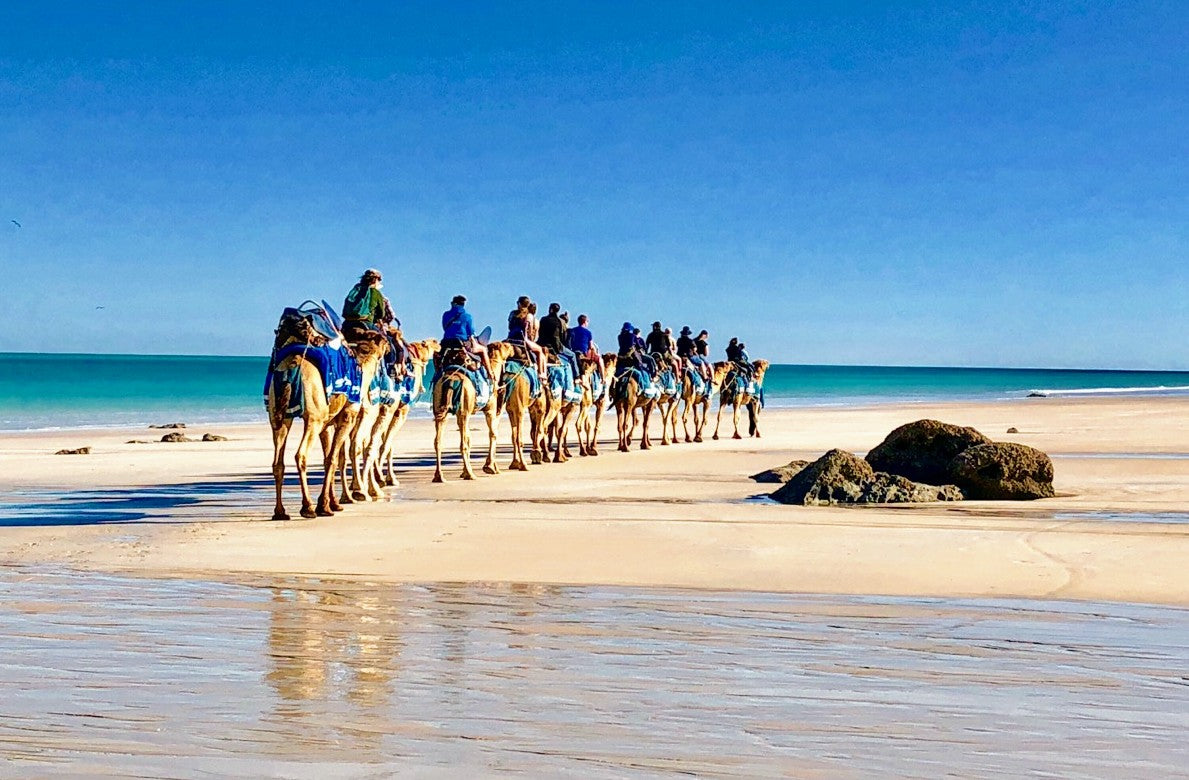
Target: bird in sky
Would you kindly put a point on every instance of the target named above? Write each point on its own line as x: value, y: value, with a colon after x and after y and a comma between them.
x: 13, y: 221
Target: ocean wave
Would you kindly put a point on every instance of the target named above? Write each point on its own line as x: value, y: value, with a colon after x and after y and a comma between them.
x: 1158, y: 390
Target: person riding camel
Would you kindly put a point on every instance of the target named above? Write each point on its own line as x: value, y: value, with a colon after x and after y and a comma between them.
x: 645, y: 360
x: 553, y: 338
x: 582, y: 343
x: 458, y: 333
x: 658, y: 342
x: 522, y: 331
x: 365, y: 310
x: 737, y: 355
x: 687, y: 350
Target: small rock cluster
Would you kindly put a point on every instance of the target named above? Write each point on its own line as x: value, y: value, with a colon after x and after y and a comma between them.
x: 926, y: 460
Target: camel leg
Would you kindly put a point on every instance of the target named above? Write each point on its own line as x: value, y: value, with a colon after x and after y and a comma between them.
x: 735, y: 420
x: 645, y: 441
x: 464, y: 445
x: 303, y: 459
x: 492, y: 420
x: 323, y: 508
x: 594, y: 434
x: 685, y: 421
x: 516, y: 421
x: 437, y: 448
x: 717, y: 420
x: 279, y: 436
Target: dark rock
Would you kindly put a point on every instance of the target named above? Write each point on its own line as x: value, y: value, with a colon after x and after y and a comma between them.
x: 213, y: 437
x: 175, y: 437
x: 79, y: 451
x: 922, y: 450
x: 169, y: 425
x: 781, y: 474
x: 1003, y: 471
x: 1013, y: 430
x: 1035, y: 394
x: 840, y: 477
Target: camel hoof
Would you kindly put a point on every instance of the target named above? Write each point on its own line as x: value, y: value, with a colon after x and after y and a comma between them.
x: 520, y: 467
x: 308, y: 513
x: 593, y: 452
x: 324, y: 512
x: 490, y: 470
x: 389, y: 482
x: 280, y: 516
x: 346, y: 499
x: 466, y: 475
x: 697, y: 439
x: 359, y: 496
x: 645, y: 446
x: 715, y: 437
x: 664, y: 443
x: 736, y: 436
x: 757, y: 434
x: 436, y: 478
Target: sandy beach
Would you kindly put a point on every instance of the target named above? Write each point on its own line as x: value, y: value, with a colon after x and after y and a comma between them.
x: 679, y: 516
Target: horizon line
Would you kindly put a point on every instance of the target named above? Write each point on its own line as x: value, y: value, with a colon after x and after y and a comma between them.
x: 796, y: 365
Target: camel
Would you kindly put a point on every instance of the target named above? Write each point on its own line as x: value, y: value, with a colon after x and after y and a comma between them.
x: 697, y: 396
x: 392, y: 418
x: 628, y: 397
x: 667, y: 403
x: 322, y: 418
x: 515, y: 395
x: 590, y: 411
x: 728, y: 395
x: 360, y: 426
x: 558, y: 423
x: 454, y: 393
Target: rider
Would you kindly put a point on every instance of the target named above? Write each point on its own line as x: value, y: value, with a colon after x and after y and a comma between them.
x: 522, y: 329
x: 658, y: 342
x: 553, y: 338
x: 737, y: 355
x: 687, y: 350
x: 364, y: 308
x: 582, y: 342
x: 458, y: 332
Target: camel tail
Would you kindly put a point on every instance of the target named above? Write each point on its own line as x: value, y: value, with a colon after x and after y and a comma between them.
x: 450, y: 394
x: 283, y: 385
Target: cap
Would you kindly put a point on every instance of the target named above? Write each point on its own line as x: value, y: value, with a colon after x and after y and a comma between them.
x: 459, y: 300
x: 685, y: 331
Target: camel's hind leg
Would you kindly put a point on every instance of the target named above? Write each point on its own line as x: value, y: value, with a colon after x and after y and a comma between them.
x: 517, y: 424
x: 735, y: 420
x: 326, y: 438
x: 718, y: 420
x: 280, y: 435
x: 464, y: 445
x: 645, y: 439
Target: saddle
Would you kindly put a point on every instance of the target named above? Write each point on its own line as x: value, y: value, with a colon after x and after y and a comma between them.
x: 520, y: 354
x: 455, y: 357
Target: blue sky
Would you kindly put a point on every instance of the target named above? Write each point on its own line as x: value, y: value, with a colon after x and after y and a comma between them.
x: 917, y: 184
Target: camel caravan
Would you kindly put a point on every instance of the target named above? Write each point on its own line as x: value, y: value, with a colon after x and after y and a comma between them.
x: 353, y: 379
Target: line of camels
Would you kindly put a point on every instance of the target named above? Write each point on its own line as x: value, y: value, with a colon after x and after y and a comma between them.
x: 359, y: 437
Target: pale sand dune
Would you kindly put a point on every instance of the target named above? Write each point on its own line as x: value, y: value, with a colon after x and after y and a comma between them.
x: 675, y: 516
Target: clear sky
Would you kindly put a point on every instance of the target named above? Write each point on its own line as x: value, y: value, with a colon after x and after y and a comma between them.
x: 910, y: 183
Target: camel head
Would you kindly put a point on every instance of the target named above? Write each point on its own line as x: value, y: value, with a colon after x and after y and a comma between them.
x: 498, y: 353
x: 422, y: 352
x: 610, y: 360
x: 720, y: 374
x: 761, y: 368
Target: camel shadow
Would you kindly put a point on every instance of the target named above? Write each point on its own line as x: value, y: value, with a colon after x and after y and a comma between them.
x: 155, y: 503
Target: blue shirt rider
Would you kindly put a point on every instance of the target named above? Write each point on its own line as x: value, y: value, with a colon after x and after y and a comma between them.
x: 458, y: 332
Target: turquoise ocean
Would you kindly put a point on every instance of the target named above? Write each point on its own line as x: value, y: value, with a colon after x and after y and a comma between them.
x: 48, y: 391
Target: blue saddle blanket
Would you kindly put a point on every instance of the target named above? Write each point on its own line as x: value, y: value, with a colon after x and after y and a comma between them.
x: 561, y: 383
x: 648, y: 387
x: 513, y: 369
x: 668, y: 383
x: 339, y: 370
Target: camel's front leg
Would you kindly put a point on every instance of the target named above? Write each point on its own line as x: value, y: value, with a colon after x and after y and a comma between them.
x: 438, y: 424
x: 735, y: 420
x: 516, y: 421
x: 326, y: 437
x: 279, y: 436
x: 645, y: 441
x: 490, y: 466
x: 303, y: 460
x: 718, y: 420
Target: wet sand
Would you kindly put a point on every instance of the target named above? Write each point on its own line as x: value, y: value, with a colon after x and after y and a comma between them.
x: 112, y: 676
x: 678, y: 516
